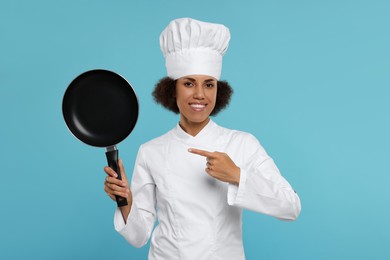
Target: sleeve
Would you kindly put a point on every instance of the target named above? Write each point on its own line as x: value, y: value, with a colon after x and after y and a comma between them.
x: 142, y: 216
x: 262, y: 188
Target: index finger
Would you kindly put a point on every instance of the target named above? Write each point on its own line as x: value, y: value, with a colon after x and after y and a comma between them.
x: 110, y: 171
x: 200, y: 152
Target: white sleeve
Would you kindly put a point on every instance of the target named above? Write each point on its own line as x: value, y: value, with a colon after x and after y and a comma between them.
x: 262, y: 188
x: 142, y: 216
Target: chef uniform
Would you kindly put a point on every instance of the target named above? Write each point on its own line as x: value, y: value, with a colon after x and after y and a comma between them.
x: 200, y: 217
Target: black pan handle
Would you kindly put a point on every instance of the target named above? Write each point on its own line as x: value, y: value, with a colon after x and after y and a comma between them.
x: 112, y: 160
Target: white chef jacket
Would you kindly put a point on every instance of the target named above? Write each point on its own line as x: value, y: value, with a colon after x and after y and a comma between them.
x: 200, y: 217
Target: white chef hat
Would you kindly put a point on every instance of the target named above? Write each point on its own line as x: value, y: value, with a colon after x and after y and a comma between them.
x: 193, y: 47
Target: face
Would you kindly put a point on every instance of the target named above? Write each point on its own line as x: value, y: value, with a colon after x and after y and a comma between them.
x: 195, y: 97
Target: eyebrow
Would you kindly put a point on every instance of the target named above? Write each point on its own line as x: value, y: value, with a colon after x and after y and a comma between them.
x: 193, y: 80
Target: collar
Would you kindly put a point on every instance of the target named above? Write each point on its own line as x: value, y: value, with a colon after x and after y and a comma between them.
x: 206, y: 136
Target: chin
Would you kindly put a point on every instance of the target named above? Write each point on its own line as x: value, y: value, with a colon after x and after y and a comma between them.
x: 197, y: 119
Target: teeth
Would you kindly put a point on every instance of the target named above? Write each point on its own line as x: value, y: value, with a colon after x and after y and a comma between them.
x: 197, y: 105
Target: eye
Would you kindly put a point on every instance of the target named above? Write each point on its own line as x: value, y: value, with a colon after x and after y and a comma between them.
x: 209, y: 85
x: 188, y: 84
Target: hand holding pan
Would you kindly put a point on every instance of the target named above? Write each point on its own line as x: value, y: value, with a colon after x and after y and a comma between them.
x: 100, y: 108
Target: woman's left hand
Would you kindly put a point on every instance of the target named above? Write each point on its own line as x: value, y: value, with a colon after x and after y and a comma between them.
x: 219, y: 166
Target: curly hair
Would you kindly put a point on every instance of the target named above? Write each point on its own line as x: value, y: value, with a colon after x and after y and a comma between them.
x: 165, y: 90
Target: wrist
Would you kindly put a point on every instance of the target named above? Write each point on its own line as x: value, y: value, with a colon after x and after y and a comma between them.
x: 125, y: 210
x: 237, y: 175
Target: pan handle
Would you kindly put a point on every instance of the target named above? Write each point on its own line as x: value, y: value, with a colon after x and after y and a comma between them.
x: 112, y: 160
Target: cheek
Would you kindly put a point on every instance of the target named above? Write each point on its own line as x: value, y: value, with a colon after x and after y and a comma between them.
x: 180, y: 98
x: 181, y: 92
x: 213, y: 96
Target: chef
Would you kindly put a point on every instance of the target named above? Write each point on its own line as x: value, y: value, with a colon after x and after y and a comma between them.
x: 196, y: 179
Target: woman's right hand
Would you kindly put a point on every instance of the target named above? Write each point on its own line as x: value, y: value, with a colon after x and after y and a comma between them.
x: 113, y: 186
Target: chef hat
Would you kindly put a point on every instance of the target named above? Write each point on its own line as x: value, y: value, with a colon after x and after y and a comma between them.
x: 193, y: 47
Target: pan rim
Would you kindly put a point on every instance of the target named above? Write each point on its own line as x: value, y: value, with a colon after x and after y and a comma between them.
x: 109, y: 72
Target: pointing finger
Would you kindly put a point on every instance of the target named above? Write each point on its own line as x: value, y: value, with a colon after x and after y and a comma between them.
x: 200, y: 152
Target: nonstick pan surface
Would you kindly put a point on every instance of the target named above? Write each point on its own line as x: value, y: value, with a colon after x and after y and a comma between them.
x: 100, y: 108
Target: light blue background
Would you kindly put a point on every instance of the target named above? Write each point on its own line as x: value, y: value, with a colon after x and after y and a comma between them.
x: 311, y: 81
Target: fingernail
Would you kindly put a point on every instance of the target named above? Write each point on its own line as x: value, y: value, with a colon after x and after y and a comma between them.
x: 189, y: 149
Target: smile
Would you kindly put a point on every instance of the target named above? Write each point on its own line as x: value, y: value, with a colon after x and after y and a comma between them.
x: 198, y: 107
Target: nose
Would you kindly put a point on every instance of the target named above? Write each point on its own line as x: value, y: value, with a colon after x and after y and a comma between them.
x: 198, y: 92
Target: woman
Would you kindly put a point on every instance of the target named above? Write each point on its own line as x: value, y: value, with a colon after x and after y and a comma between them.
x: 197, y: 178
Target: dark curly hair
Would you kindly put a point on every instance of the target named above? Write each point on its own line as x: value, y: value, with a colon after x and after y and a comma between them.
x: 165, y: 90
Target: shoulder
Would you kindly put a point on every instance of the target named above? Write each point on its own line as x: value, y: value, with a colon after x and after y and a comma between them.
x: 158, y: 142
x: 154, y: 148
x: 237, y: 135
x: 243, y: 143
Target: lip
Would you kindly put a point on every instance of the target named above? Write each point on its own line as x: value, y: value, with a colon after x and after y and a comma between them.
x: 198, y: 107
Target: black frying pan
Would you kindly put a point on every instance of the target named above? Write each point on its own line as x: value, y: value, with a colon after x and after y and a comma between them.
x: 100, y: 108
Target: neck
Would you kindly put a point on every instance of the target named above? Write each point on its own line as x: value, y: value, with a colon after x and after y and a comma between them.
x: 192, y: 128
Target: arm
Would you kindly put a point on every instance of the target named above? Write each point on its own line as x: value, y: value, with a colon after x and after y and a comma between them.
x: 257, y: 185
x: 135, y: 221
x: 262, y: 188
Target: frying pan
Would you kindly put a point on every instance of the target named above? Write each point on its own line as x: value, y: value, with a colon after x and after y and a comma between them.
x: 100, y: 108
